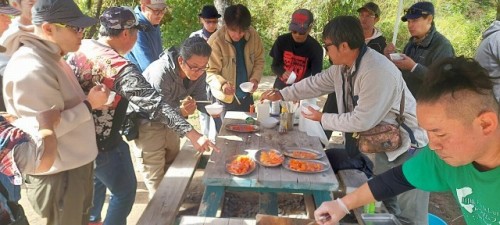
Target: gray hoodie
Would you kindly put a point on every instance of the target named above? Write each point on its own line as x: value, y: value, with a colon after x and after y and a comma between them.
x: 488, y: 54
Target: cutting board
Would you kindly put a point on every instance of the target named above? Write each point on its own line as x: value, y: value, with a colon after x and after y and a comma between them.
x: 275, y: 220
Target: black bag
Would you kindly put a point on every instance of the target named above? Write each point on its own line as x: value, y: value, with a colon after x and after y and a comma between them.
x: 16, y: 210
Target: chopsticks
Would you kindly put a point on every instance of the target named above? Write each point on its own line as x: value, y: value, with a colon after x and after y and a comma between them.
x: 200, y: 101
x: 237, y: 100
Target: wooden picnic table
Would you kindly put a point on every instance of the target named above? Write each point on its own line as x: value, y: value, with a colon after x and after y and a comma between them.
x: 266, y: 180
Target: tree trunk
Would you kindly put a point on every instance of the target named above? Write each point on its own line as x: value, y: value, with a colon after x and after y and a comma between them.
x: 498, y: 9
x: 221, y: 5
x: 90, y: 33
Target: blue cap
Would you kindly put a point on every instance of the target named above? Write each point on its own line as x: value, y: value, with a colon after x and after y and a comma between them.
x: 418, y: 10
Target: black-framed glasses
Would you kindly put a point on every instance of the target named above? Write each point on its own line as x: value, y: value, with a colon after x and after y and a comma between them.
x: 157, y: 11
x: 211, y: 21
x: 195, y: 69
x: 416, y: 11
x: 73, y: 28
x: 327, y: 45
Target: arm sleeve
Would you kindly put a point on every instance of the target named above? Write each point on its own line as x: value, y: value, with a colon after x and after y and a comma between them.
x: 389, y: 184
x: 145, y: 99
x: 28, y: 104
x: 258, y: 64
x: 311, y: 87
x: 277, y: 66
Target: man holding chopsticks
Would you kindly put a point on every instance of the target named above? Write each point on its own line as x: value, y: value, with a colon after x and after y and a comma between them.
x: 237, y: 57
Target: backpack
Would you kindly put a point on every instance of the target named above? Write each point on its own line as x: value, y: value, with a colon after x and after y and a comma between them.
x: 11, y: 213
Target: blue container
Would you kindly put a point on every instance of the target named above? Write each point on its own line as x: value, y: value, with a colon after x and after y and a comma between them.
x: 435, y: 220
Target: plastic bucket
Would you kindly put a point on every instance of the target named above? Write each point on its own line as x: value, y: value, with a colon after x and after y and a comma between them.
x: 435, y: 220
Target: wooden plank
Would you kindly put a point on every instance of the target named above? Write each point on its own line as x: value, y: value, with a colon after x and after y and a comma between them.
x: 217, y: 221
x: 240, y: 221
x: 211, y: 200
x: 164, y: 206
x: 192, y: 220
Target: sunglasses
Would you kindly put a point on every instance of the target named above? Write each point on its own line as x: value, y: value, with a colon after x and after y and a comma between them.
x: 157, y: 11
x: 326, y: 46
x: 299, y: 33
x: 416, y: 11
x: 74, y: 28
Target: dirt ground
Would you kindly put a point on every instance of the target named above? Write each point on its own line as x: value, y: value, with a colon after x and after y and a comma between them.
x: 291, y: 205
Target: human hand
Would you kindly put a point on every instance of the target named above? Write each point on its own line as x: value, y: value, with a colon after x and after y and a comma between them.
x: 406, y: 63
x: 98, y: 96
x: 49, y: 119
x: 314, y: 114
x: 228, y: 88
x: 200, y: 143
x: 188, y: 106
x: 272, y: 95
x: 255, y: 85
x: 8, y: 117
x: 389, y: 48
x: 330, y: 213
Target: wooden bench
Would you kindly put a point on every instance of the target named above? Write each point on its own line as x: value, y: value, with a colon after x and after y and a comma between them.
x: 162, y: 209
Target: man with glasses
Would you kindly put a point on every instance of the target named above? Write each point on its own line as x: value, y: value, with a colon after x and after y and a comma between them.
x: 63, y: 194
x: 237, y: 57
x: 369, y: 91
x: 101, y: 61
x: 149, y: 45
x: 179, y: 76
x: 209, y: 17
x: 369, y: 15
x: 425, y: 46
x: 296, y: 51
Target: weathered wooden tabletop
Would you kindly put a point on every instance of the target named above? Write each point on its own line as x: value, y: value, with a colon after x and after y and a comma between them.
x: 263, y: 179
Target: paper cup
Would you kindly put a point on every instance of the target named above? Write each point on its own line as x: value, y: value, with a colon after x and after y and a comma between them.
x: 111, y: 98
x: 291, y: 78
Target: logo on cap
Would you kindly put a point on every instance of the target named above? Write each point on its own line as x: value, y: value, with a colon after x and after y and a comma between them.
x: 301, y: 20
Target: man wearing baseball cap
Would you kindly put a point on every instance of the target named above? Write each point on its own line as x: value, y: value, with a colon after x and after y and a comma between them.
x: 63, y: 194
x: 149, y: 45
x: 425, y: 46
x: 102, y: 61
x: 369, y: 15
x: 296, y: 51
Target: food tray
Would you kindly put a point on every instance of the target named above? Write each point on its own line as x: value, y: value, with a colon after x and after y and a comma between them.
x: 380, y: 219
x: 242, y: 127
x: 325, y: 166
x: 295, y: 153
x: 259, y: 153
x: 232, y: 158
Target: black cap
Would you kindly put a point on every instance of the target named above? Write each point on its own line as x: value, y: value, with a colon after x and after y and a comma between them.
x: 60, y: 11
x: 417, y: 10
x: 209, y: 12
x: 7, y: 9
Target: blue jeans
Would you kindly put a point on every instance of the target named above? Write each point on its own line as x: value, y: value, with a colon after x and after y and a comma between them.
x: 13, y: 190
x: 114, y: 170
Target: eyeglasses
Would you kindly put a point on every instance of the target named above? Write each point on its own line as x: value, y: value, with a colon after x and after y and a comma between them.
x: 195, y: 69
x: 327, y: 45
x: 299, y: 33
x: 157, y: 11
x: 74, y: 28
x: 416, y: 11
x: 211, y: 21
x: 366, y: 15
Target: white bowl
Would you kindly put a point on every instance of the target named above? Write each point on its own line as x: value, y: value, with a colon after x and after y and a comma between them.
x: 306, y: 111
x: 396, y: 56
x: 269, y: 122
x: 246, y: 86
x: 214, y: 109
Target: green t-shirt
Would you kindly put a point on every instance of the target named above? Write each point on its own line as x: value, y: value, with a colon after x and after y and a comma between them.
x: 478, y: 193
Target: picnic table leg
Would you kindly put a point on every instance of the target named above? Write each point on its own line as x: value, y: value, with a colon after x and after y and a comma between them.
x: 268, y: 203
x: 211, y: 201
x: 321, y: 196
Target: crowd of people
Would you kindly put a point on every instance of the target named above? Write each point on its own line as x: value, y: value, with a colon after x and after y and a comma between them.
x: 67, y: 138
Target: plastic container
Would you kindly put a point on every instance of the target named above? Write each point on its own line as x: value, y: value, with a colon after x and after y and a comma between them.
x: 275, y: 108
x: 263, y: 110
x: 435, y: 220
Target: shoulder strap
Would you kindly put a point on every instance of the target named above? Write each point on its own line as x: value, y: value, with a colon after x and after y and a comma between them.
x: 400, y: 118
x: 4, y: 192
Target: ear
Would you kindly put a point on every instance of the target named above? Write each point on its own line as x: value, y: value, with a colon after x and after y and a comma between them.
x: 180, y: 60
x: 16, y: 5
x: 377, y: 19
x: 48, y: 29
x: 488, y: 121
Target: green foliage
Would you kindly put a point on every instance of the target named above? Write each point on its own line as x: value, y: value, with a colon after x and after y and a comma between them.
x: 271, y: 17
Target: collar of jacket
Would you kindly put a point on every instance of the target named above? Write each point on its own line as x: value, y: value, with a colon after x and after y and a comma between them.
x: 428, y: 38
x: 142, y: 19
x: 228, y: 38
